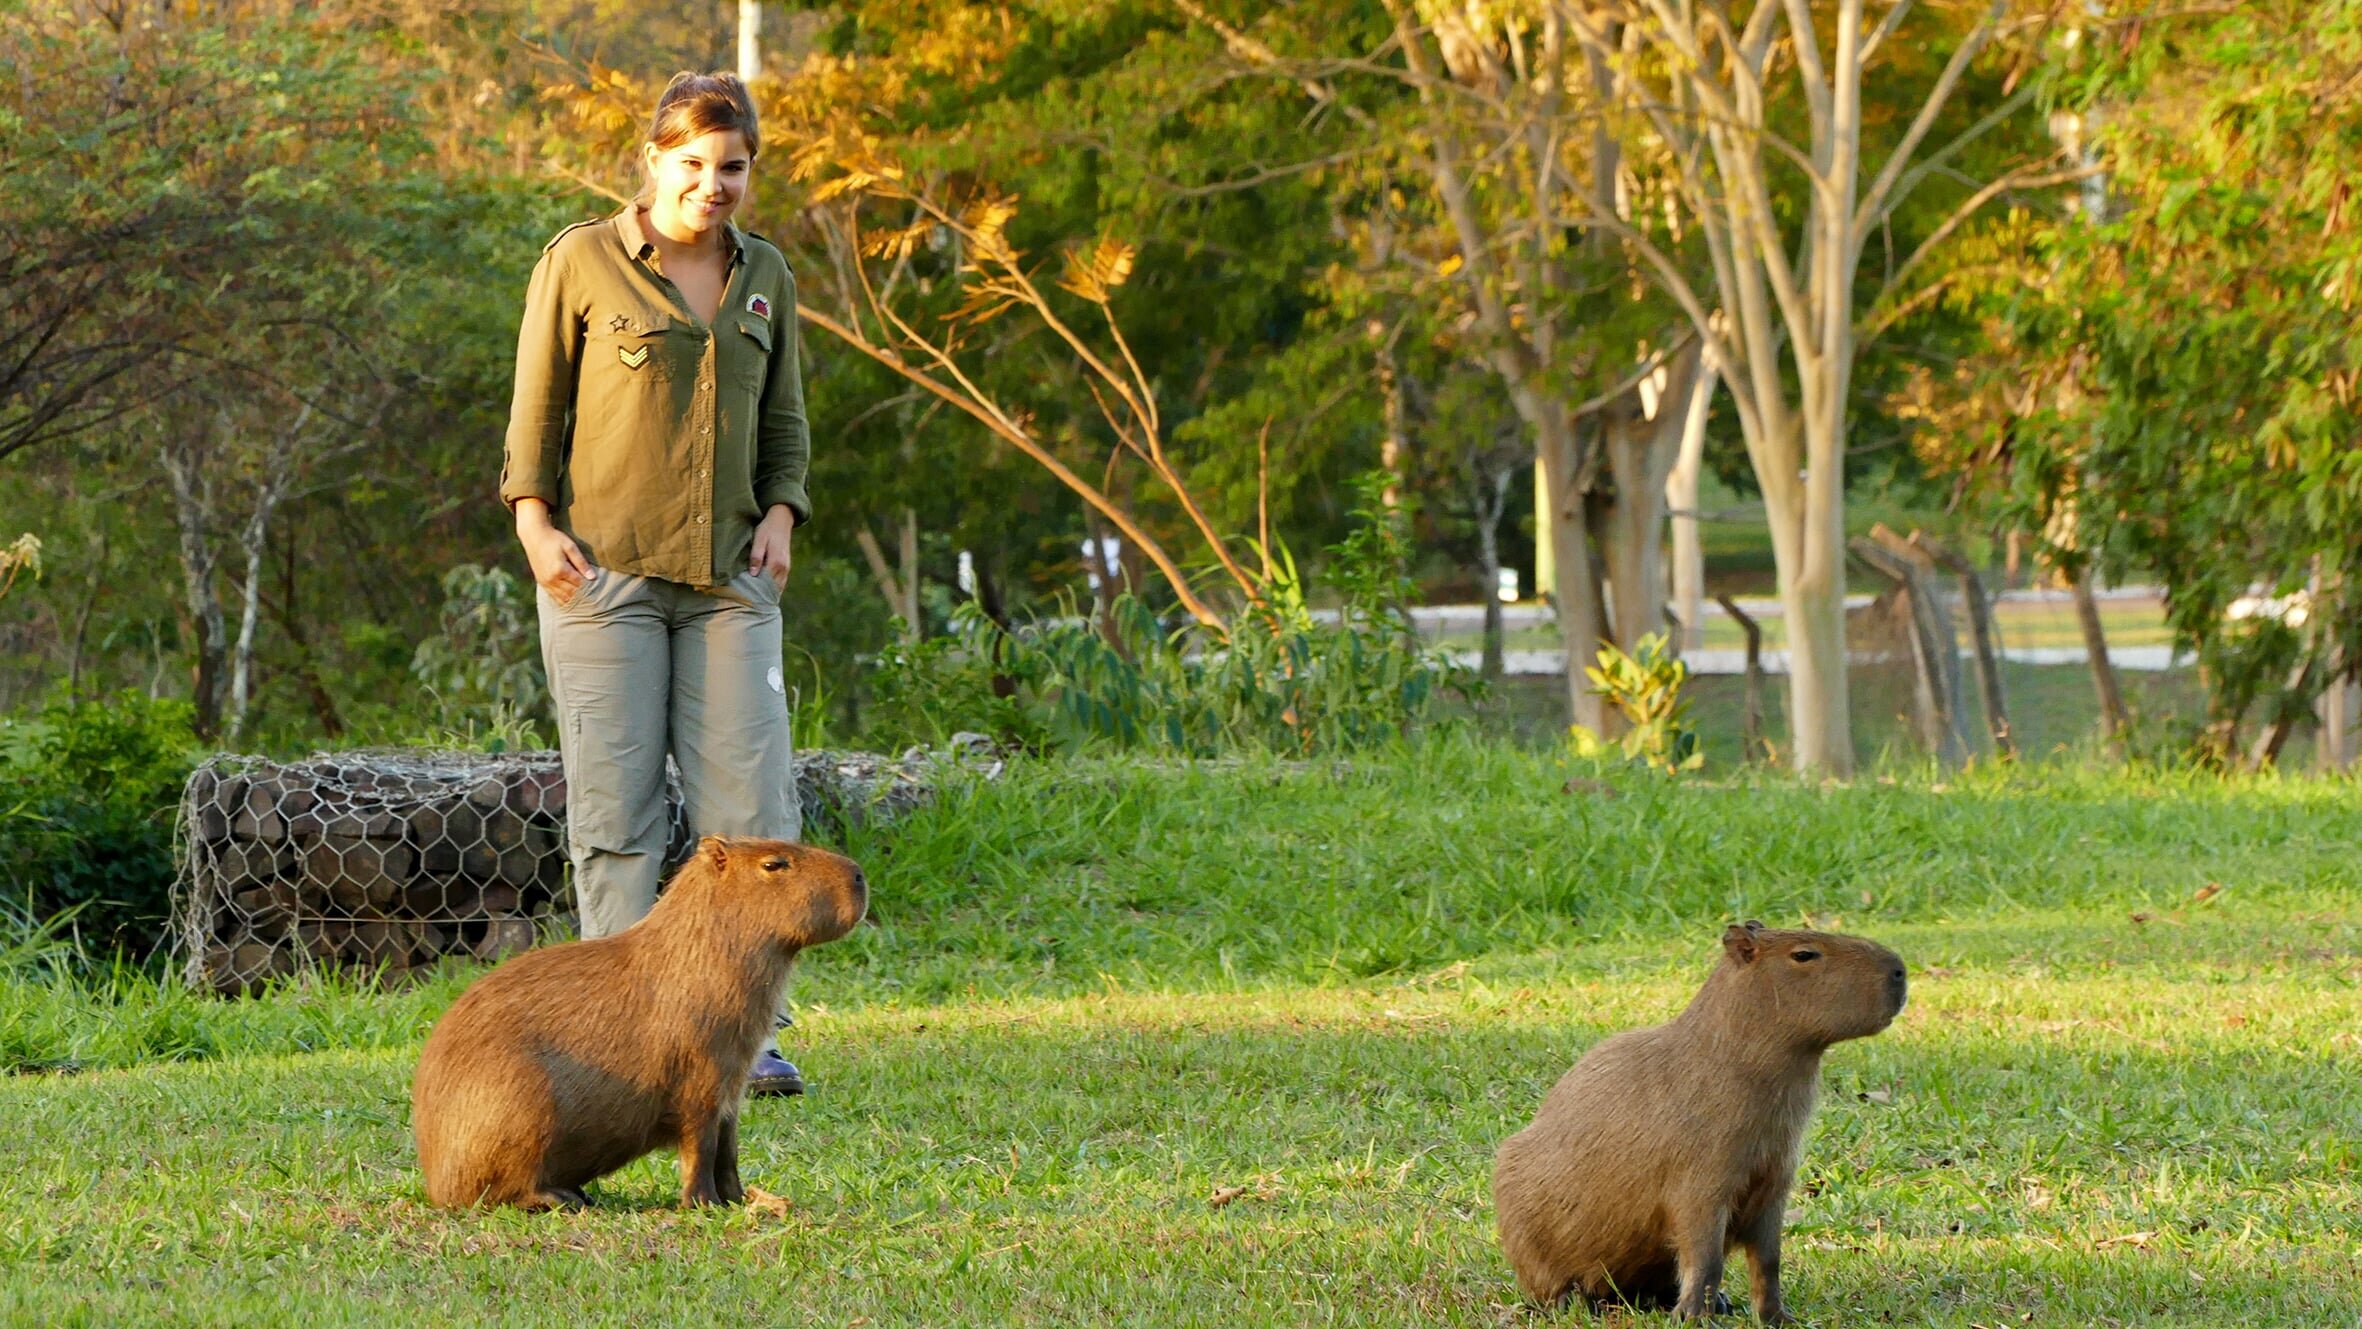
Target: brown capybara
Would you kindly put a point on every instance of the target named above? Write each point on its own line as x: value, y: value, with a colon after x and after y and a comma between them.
x: 567, y: 1063
x: 1664, y: 1148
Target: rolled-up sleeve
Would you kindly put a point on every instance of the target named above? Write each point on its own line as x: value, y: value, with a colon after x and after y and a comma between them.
x: 783, y: 440
x: 549, y: 351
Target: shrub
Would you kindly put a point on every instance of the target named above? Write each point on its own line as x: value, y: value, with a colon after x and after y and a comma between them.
x: 1284, y: 679
x: 484, y: 667
x: 1645, y: 688
x: 88, y: 792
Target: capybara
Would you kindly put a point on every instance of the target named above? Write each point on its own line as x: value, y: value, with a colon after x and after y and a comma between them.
x: 567, y: 1063
x: 1664, y: 1148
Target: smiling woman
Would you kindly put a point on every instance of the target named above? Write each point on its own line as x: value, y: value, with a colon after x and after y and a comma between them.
x: 656, y: 456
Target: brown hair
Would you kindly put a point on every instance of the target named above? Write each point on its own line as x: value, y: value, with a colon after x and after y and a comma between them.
x: 693, y: 105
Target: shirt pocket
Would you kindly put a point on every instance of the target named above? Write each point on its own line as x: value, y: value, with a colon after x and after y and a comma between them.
x: 643, y: 349
x: 752, y: 362
x: 632, y: 404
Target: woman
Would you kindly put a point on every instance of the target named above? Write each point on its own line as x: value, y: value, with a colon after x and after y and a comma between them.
x: 655, y: 465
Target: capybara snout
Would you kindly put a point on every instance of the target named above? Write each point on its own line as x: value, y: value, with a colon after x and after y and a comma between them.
x: 808, y: 893
x: 1821, y: 986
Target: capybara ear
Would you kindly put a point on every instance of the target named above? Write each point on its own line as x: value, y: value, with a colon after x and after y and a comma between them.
x: 1739, y: 941
x: 715, y: 850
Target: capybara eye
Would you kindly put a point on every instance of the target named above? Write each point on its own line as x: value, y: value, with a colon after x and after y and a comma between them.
x: 776, y: 865
x: 1804, y: 956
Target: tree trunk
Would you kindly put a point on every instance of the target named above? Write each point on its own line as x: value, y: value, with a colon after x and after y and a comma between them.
x: 750, y: 39
x: 1630, y: 528
x: 2114, y: 719
x: 79, y: 641
x: 1986, y: 638
x: 1489, y: 495
x: 1808, y: 547
x: 1642, y: 442
x: 307, y: 667
x: 2337, y: 708
x: 1582, y: 620
x: 2266, y: 751
x: 901, y: 592
x: 252, y: 544
x: 185, y: 472
x: 1681, y: 503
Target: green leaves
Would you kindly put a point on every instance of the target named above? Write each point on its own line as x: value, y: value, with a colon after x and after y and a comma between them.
x: 1645, y: 688
x: 2171, y: 394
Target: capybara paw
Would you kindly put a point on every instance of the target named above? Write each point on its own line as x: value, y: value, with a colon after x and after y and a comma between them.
x: 557, y: 1197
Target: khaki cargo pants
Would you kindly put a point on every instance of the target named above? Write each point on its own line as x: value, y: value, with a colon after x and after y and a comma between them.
x: 639, y: 667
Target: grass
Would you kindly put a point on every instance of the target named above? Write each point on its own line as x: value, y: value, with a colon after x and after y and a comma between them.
x: 1101, y: 993
x: 2021, y: 624
x: 2052, y: 709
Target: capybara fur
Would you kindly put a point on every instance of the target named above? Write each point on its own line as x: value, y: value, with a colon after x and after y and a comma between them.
x: 1664, y: 1148
x: 566, y: 1063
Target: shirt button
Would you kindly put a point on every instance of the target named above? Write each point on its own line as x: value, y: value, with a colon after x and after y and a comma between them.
x: 701, y: 474
x: 701, y: 519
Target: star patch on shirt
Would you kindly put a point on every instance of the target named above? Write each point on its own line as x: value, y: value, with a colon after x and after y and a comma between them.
x: 759, y: 306
x: 618, y: 323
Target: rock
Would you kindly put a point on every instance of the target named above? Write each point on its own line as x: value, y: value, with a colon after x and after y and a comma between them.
x: 504, y: 937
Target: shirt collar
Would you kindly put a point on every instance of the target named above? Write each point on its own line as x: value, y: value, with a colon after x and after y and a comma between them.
x: 637, y: 244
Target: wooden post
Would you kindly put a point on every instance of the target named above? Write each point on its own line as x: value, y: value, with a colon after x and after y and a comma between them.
x: 1935, y: 649
x: 1751, y: 743
x: 1986, y: 639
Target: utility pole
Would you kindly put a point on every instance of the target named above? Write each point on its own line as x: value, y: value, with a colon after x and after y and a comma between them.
x: 750, y: 39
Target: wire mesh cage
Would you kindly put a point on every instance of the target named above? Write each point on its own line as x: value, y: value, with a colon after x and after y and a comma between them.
x: 387, y: 861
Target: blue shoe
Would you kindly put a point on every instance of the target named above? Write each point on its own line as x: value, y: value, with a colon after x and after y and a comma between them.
x: 773, y: 1075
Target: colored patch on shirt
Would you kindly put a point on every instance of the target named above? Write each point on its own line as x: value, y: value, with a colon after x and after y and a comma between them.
x: 632, y: 359
x: 759, y: 306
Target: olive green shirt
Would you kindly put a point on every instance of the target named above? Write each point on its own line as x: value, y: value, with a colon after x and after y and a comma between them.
x: 657, y: 441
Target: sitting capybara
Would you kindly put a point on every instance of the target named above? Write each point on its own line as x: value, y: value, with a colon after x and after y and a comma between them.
x: 1664, y: 1148
x: 567, y: 1063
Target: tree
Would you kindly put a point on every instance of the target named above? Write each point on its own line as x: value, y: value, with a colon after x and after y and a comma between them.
x: 2173, y: 376
x: 1712, y: 99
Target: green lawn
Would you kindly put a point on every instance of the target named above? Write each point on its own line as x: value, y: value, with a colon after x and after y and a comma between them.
x: 1101, y: 993
x: 2021, y: 624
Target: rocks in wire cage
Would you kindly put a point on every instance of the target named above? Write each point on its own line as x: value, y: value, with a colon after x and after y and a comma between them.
x: 382, y: 861
x: 386, y: 861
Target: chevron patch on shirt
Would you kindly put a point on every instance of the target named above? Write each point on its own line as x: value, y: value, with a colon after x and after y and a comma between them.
x: 632, y: 359
x: 759, y: 306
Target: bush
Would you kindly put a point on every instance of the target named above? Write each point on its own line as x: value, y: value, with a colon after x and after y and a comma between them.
x: 87, y: 796
x: 1284, y: 679
x: 483, y: 668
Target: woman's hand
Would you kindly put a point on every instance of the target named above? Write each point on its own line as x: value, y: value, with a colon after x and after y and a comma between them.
x: 557, y: 562
x: 774, y: 543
